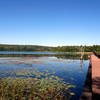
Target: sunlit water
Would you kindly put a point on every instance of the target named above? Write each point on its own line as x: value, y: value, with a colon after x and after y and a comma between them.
x: 73, y: 71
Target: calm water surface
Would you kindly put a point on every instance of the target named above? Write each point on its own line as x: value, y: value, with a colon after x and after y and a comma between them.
x: 70, y: 68
x: 15, y: 52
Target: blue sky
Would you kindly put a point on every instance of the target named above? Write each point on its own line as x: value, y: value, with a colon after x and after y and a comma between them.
x: 50, y: 22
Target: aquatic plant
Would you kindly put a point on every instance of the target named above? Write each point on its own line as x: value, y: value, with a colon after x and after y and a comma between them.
x: 38, y: 88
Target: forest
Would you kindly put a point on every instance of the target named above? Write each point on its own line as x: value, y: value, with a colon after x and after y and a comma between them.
x: 6, y: 47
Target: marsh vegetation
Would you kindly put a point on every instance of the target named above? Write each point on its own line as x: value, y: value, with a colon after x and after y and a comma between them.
x: 42, y: 87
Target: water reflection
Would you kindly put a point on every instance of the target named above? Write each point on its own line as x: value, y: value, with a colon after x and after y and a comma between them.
x: 63, y: 56
x: 81, y: 63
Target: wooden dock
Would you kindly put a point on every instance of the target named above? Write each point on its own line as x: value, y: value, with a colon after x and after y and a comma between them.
x: 95, y: 63
x: 92, y: 85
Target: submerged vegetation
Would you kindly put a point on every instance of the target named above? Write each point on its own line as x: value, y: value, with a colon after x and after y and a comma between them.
x: 42, y: 86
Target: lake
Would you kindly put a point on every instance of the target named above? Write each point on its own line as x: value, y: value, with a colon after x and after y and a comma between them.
x: 66, y: 66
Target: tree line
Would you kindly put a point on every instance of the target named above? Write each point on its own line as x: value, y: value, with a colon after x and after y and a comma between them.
x: 5, y: 47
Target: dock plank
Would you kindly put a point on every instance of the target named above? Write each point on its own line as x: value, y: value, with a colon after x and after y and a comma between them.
x: 95, y: 62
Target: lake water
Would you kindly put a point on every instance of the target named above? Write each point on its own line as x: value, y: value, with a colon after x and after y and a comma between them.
x: 50, y: 53
x: 66, y: 66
